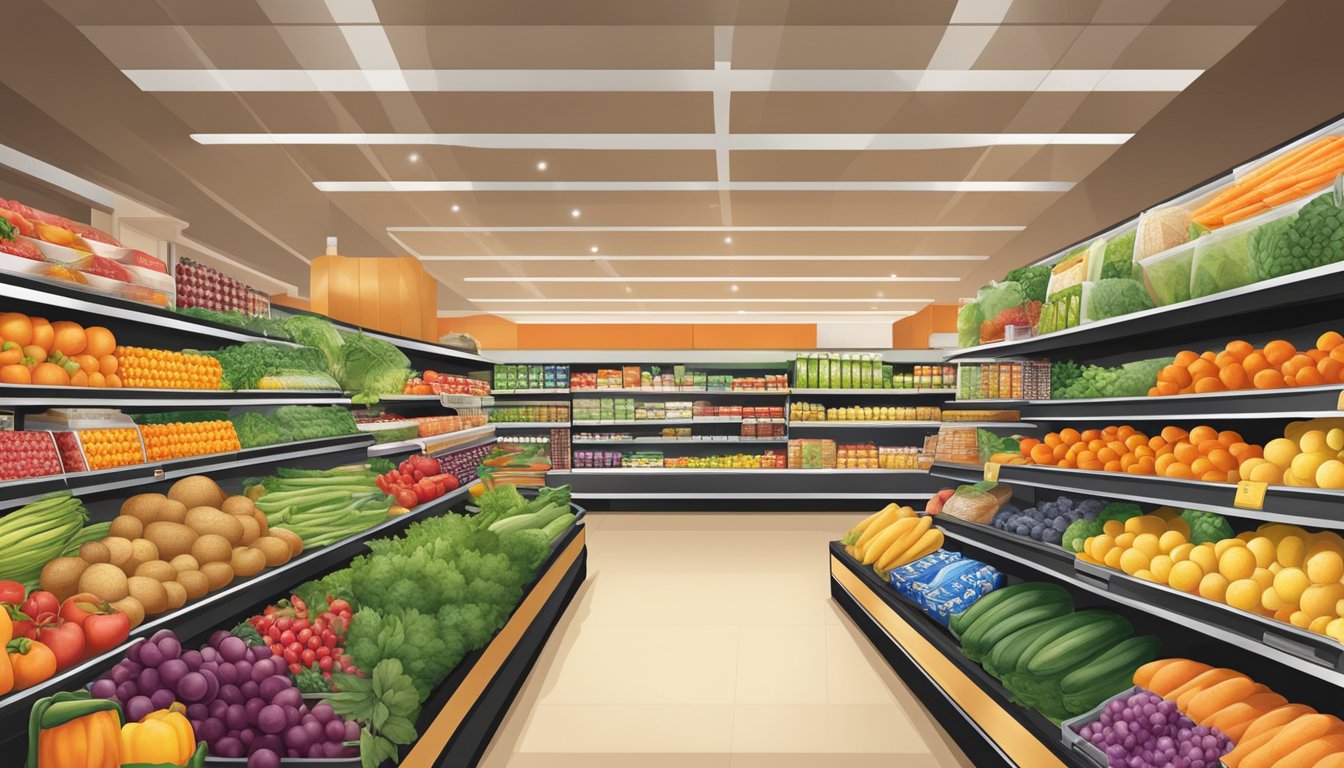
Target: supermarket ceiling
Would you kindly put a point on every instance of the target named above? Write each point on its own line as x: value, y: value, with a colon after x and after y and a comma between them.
x: 836, y: 159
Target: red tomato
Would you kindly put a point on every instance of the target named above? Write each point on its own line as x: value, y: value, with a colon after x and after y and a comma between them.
x: 65, y: 639
x: 40, y: 602
x: 105, y: 631
x: 11, y: 592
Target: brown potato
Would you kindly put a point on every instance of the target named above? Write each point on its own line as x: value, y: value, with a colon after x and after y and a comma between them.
x: 95, y: 552
x: 197, y: 491
x: 157, y: 570
x: 185, y: 563
x: 219, y: 574
x: 149, y: 592
x: 143, y: 506
x: 177, y: 594
x: 205, y: 520
x: 172, y: 511
x: 171, y: 539
x: 274, y: 548
x: 119, y: 549
x: 238, y: 505
x: 291, y: 538
x: 127, y: 527
x: 211, y: 548
x: 61, y: 576
x: 133, y: 610
x: 142, y: 551
x: 104, y: 580
x: 196, y: 584
x: 251, y: 531
x: 248, y: 562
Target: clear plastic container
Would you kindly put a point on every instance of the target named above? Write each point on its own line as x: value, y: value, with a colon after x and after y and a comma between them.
x: 1167, y: 275
x: 60, y: 254
x: 1222, y: 260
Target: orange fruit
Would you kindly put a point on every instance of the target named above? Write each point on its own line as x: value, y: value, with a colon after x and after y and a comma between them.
x: 1202, y: 466
x: 1234, y: 376
x: 50, y: 375
x: 1112, y: 466
x: 1229, y: 437
x: 1086, y: 457
x: 1186, y: 453
x: 1239, y: 349
x: 1210, y: 384
x: 1089, y: 435
x: 70, y: 339
x: 1092, y: 466
x: 1066, y: 464
x: 1214, y: 476
x: 1278, y: 352
x: 1202, y: 368
x: 1052, y: 440
x: 100, y: 341
x: 1221, y: 459
x: 1255, y: 363
x: 1308, y: 376
x: 1106, y: 455
x: 1206, y: 446
x: 1144, y: 450
x: 1135, y: 440
x: 1185, y: 357
x: 1177, y: 469
x: 1124, y: 432
x: 1329, y: 340
x: 1069, y: 435
x: 43, y: 335
x: 1174, y: 434
x: 1208, y: 355
x: 1158, y: 442
x: 1268, y: 379
x: 1317, y: 355
x: 1330, y: 368
x: 1201, y: 433
x: 1295, y: 364
x: 1127, y: 461
x: 1060, y: 451
x: 1042, y: 454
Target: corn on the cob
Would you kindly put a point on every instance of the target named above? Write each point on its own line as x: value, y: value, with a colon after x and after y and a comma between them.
x: 37, y: 533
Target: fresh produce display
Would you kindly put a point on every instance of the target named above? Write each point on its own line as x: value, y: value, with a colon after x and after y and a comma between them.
x: 361, y: 365
x: 1114, y: 297
x: 165, y: 550
x: 1070, y: 381
x: 1266, y: 728
x: 464, y: 464
x: 990, y: 445
x: 530, y: 413
x: 892, y: 537
x: 1056, y: 660
x: 165, y: 442
x: 1304, y: 457
x: 28, y: 454
x: 1143, y: 730
x: 835, y: 370
x: 803, y: 411
x: 36, y: 533
x: 262, y: 365
x: 1290, y: 176
x: 945, y: 583
x: 976, y: 503
x: 161, y: 369
x: 264, y: 326
x: 80, y: 627
x: 1303, y: 240
x: 434, y: 383
x: 238, y: 698
x: 1048, y: 521
x: 311, y: 646
x: 1079, y: 531
x: 59, y: 354
x: 75, y: 729
x: 1203, y: 453
x: 1242, y: 366
x: 322, y: 506
x: 93, y: 449
x: 311, y: 422
x: 523, y: 465
x: 429, y: 426
x: 203, y: 286
x: 417, y: 480
x: 254, y: 429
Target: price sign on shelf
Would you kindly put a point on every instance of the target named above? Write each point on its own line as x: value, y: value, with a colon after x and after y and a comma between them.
x: 1250, y: 495
x: 991, y: 471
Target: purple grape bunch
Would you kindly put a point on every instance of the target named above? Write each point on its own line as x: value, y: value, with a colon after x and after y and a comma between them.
x: 1144, y: 730
x: 240, y: 700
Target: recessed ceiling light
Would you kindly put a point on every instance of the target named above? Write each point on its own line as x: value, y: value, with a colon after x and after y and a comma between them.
x: 456, y: 208
x: 733, y: 287
x: 593, y: 249
x: 414, y: 157
x: 703, y: 279
x: 728, y: 239
x: 576, y: 213
x: 879, y: 294
x: 893, y: 274
x: 628, y: 289
x: 541, y: 166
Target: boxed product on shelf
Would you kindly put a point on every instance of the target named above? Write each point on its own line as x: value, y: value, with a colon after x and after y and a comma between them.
x: 596, y: 459
x: 758, y: 430
x: 178, y: 440
x: 642, y: 459
x: 1011, y: 380
x: 199, y: 285
x: 675, y: 433
x: 560, y: 447
x: 812, y: 454
x: 28, y: 453
x: 558, y: 412
x: 445, y: 384
x: 94, y: 449
x: 856, y: 456
x: 834, y: 370
x: 430, y: 426
x: 944, y: 583
x: 898, y: 457
x: 958, y: 445
x: 388, y: 428
x: 1003, y: 415
x: 764, y: 460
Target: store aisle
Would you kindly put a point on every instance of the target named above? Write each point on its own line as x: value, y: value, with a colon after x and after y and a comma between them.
x: 711, y: 640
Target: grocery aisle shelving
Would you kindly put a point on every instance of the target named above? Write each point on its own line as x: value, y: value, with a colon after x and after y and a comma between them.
x: 888, y: 392
x: 1284, y: 403
x: 460, y: 440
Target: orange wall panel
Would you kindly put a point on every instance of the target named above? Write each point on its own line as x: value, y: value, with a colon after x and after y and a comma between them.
x: 755, y: 336
x: 577, y: 336
x: 389, y: 294
x: 294, y: 302
x: 657, y: 336
x: 913, y: 332
x: 945, y: 318
x: 491, y: 331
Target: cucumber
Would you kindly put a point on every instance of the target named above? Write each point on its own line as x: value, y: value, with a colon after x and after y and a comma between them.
x: 1098, y: 690
x: 1002, y: 658
x: 987, y: 632
x: 1080, y: 645
x: 1123, y: 657
x: 961, y: 622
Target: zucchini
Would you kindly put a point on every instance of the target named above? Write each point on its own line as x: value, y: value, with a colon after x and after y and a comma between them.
x: 1098, y: 690
x: 961, y: 622
x: 1002, y: 658
x: 1079, y: 645
x: 1123, y: 657
x: 987, y: 632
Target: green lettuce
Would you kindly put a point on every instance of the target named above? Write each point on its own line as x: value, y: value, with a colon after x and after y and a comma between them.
x: 371, y: 368
x: 318, y: 333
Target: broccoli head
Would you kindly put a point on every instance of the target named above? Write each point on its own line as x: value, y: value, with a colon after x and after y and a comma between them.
x: 1207, y: 526
x: 1313, y: 237
x: 1078, y: 532
x: 1118, y: 510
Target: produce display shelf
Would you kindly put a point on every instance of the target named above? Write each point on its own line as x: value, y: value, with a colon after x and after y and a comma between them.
x: 1282, y: 504
x: 40, y: 398
x: 219, y: 608
x: 460, y: 717
x: 1317, y: 655
x: 692, y: 471
x: 1285, y: 403
x: 967, y: 701
x: 413, y: 348
x: 865, y: 424
x: 531, y: 425
x: 675, y: 392
x: 464, y: 438
x: 880, y: 392
x: 538, y: 391
x: 636, y: 422
x: 16, y: 493
x: 733, y: 439
x: 1162, y: 326
x: 446, y: 400
x: 686, y: 483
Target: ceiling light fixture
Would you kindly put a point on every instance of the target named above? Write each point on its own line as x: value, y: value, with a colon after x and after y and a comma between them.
x: 733, y: 287
x: 734, y: 300
x: 802, y: 228
x: 541, y: 166
x: 593, y: 249
x: 628, y: 289
x: 576, y: 213
x: 947, y: 185
x: 414, y: 157
x: 879, y: 294
x: 693, y: 257
x: 728, y: 240
x: 741, y: 311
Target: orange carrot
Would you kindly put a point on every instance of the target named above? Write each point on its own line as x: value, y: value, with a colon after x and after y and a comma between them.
x: 1286, y: 178
x: 1265, y: 172
x: 1244, y: 213
x: 1301, y: 190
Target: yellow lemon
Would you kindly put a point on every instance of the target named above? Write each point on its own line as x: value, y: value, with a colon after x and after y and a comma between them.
x: 1161, y: 568
x: 1133, y: 561
x: 1290, y: 583
x: 1325, y: 567
x: 1185, y: 576
x: 1264, y: 577
x: 1330, y: 474
x: 1280, y: 452
x: 1305, y: 464
x: 1335, y: 629
x: 1313, y: 441
x: 1219, y: 547
x: 1170, y: 541
x: 1334, y: 439
x: 1182, y: 552
x: 1205, y: 556
x: 1213, y: 587
x: 1263, y: 549
x: 1265, y: 473
x: 1319, y: 624
x: 1243, y: 594
x: 1320, y: 599
x: 1236, y: 563
x: 1270, y: 600
x: 1290, y: 551
x: 1148, y: 544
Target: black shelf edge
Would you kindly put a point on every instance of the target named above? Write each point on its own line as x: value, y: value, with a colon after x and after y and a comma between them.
x: 42, y: 398
x: 1160, y: 327
x: 966, y: 700
x: 1298, y: 506
x: 461, y: 716
x: 1317, y: 655
x: 100, y: 481
x: 747, y: 483
x: 218, y: 608
x: 1285, y: 403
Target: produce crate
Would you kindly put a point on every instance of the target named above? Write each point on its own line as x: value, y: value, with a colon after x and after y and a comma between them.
x: 28, y: 454
x: 1084, y: 748
x: 94, y: 449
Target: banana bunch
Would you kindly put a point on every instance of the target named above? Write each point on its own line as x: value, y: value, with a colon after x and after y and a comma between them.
x: 891, y: 538
x: 37, y: 533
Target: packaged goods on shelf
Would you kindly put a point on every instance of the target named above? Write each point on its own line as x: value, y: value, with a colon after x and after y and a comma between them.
x: 957, y: 445
x: 1013, y: 380
x: 442, y: 425
x: 558, y: 412
x: 1001, y: 414
x: 203, y: 286
x: 432, y: 383
x: 560, y: 448
x: 764, y: 460
x: 596, y: 459
x: 642, y: 459
x: 803, y: 411
x: 757, y: 430
x: 94, y: 449
x: 898, y: 457
x: 508, y: 378
x: 812, y: 454
x: 464, y: 464
x: 164, y: 442
x: 833, y: 370
x: 943, y: 586
x: 29, y: 453
x: 704, y: 409
x: 675, y: 433
x: 387, y: 427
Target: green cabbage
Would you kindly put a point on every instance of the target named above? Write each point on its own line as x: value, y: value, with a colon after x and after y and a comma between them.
x: 1034, y: 281
x: 371, y: 368
x: 1221, y: 266
x: 968, y: 324
x: 1207, y: 527
x: 996, y: 297
x: 1117, y: 296
x: 1313, y: 237
x: 1118, y: 260
x: 1169, y: 279
x: 316, y: 332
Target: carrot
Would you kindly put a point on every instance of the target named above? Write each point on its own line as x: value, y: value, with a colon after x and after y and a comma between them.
x: 1275, y: 167
x: 1232, y: 716
x: 1305, y: 188
x: 1333, y: 761
x: 1309, y: 754
x: 1248, y: 745
x: 1244, y: 213
x: 1174, y: 675
x: 1286, y: 178
x: 1143, y: 676
x: 1202, y: 681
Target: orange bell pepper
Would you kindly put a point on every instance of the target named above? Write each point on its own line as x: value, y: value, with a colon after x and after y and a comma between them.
x: 6, y: 634
x: 73, y: 730
x: 32, y: 662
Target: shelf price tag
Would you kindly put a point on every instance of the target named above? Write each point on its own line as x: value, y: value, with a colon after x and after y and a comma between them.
x: 1250, y: 495
x: 991, y: 471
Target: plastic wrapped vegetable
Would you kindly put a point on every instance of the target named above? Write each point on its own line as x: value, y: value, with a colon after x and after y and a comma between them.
x: 318, y: 333
x: 1118, y: 260
x: 969, y: 318
x: 1221, y: 264
x: 1207, y: 526
x: 372, y: 367
x: 1033, y: 280
x: 977, y: 503
x: 1117, y: 296
x: 997, y: 297
x: 1313, y: 237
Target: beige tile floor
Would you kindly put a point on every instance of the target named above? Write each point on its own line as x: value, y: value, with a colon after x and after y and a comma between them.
x: 711, y: 640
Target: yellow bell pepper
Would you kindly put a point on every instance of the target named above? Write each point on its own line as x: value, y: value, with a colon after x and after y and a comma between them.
x: 164, y: 736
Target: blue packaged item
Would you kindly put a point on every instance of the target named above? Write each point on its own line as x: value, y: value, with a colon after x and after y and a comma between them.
x: 959, y: 595
x: 949, y: 573
x: 905, y: 577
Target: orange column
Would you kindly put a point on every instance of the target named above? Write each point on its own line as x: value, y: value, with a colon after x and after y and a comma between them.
x: 395, y: 295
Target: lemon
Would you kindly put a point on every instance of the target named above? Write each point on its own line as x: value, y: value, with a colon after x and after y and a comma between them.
x: 1300, y: 619
x: 1321, y: 599
x: 1265, y: 473
x: 1243, y: 594
x: 1125, y: 540
x: 1335, y: 439
x: 1270, y: 600
x: 1182, y: 552
x: 1325, y: 567
x: 1222, y: 545
x: 1161, y: 568
x: 1205, y: 557
x: 1264, y: 577
x: 1185, y: 576
x: 1290, y: 583
x: 1112, y: 558
x: 1319, y: 624
x: 1291, y: 550
x: 1170, y: 541
x: 1134, y: 560
x: 1330, y: 474
x: 1263, y: 549
x: 1335, y: 629
x: 1313, y: 440
x: 1237, y: 563
x: 1148, y: 544
x: 1113, y: 528
x: 1280, y: 452
x: 1212, y: 587
x: 1305, y: 464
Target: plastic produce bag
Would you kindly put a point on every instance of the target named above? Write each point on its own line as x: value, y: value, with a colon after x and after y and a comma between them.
x: 969, y: 318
